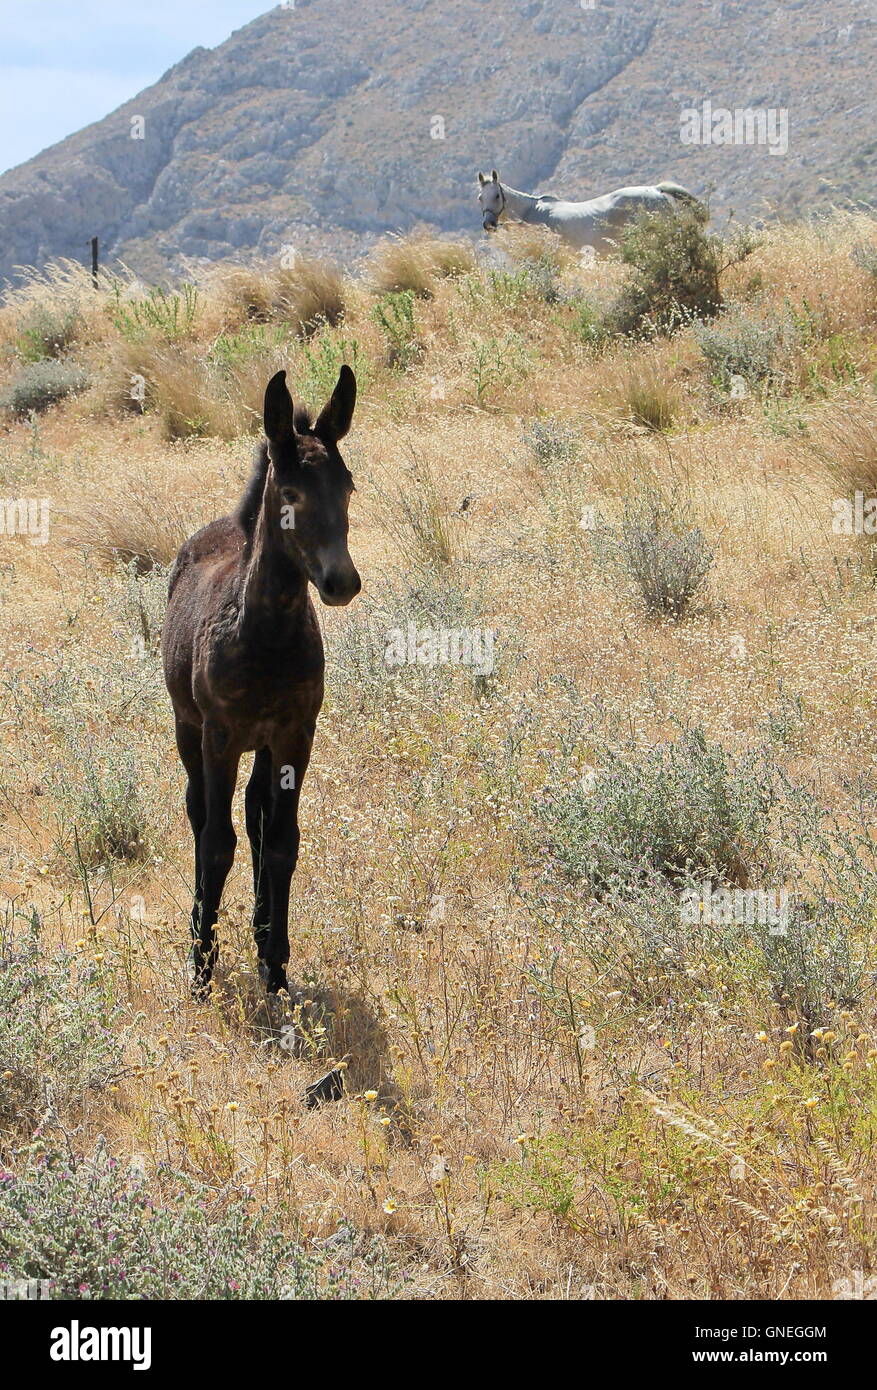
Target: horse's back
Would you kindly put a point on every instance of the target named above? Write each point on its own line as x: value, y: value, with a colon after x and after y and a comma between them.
x: 201, y: 575
x: 625, y: 200
x: 220, y: 541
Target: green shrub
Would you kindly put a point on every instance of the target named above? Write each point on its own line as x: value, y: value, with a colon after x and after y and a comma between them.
x: 48, y: 331
x: 823, y: 961
x: 255, y: 341
x: 543, y: 275
x: 494, y: 364
x: 166, y: 315
x: 361, y: 652
x: 816, y: 965
x: 322, y: 360
x: 537, y: 277
x: 140, y: 601
x: 865, y: 256
x: 109, y: 816
x: 677, y: 810
x: 738, y: 345
x: 660, y: 551
x: 94, y: 1230
x: 41, y: 384
x: 553, y: 443
x: 590, y: 323
x: 394, y: 315
x: 676, y: 268
x: 56, y: 1016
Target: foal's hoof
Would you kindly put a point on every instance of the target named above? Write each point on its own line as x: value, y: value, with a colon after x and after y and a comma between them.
x: 329, y: 1087
x: 273, y: 977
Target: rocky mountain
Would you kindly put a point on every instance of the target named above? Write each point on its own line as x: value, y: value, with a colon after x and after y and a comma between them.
x: 325, y: 123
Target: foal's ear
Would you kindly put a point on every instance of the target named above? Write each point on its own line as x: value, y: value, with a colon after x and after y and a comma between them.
x: 495, y: 176
x: 482, y: 178
x: 279, y: 412
x: 336, y: 417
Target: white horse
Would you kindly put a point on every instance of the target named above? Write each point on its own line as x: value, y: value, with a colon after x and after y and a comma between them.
x: 596, y: 224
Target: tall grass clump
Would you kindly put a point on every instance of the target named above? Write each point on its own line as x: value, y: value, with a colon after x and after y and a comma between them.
x: 307, y: 295
x: 417, y: 264
x: 137, y: 516
x: 419, y: 522
x: 840, y: 443
x: 646, y: 392
x: 56, y: 306
x: 197, y: 392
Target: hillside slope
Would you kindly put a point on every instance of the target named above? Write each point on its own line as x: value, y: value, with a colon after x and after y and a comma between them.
x: 317, y: 126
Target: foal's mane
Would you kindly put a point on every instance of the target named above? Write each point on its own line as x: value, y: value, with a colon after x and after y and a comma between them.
x: 248, y: 508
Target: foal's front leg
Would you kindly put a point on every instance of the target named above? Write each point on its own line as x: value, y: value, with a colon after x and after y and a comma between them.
x: 281, y: 843
x: 217, y: 847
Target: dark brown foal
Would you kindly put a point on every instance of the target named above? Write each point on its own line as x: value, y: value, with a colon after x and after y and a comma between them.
x: 243, y: 661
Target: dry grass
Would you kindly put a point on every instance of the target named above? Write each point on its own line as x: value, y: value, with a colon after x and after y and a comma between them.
x: 143, y: 513
x: 417, y: 264
x: 841, y: 442
x: 63, y: 282
x: 538, y: 244
x: 307, y: 293
x: 488, y: 1145
x: 646, y: 387
x: 816, y: 268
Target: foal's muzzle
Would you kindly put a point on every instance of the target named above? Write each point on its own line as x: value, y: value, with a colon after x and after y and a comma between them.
x: 489, y: 222
x: 339, y: 587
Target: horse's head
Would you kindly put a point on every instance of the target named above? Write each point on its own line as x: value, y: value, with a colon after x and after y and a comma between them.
x: 491, y: 199
x: 308, y: 487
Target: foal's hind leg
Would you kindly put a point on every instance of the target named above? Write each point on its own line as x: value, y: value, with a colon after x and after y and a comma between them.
x: 258, y: 803
x: 217, y: 846
x: 281, y: 851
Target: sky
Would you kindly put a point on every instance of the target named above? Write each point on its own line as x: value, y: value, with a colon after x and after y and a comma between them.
x: 66, y: 63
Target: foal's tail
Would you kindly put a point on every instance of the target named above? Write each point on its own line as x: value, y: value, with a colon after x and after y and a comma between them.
x: 682, y: 195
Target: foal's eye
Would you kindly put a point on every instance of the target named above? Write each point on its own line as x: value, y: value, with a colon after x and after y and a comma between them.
x: 291, y: 497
